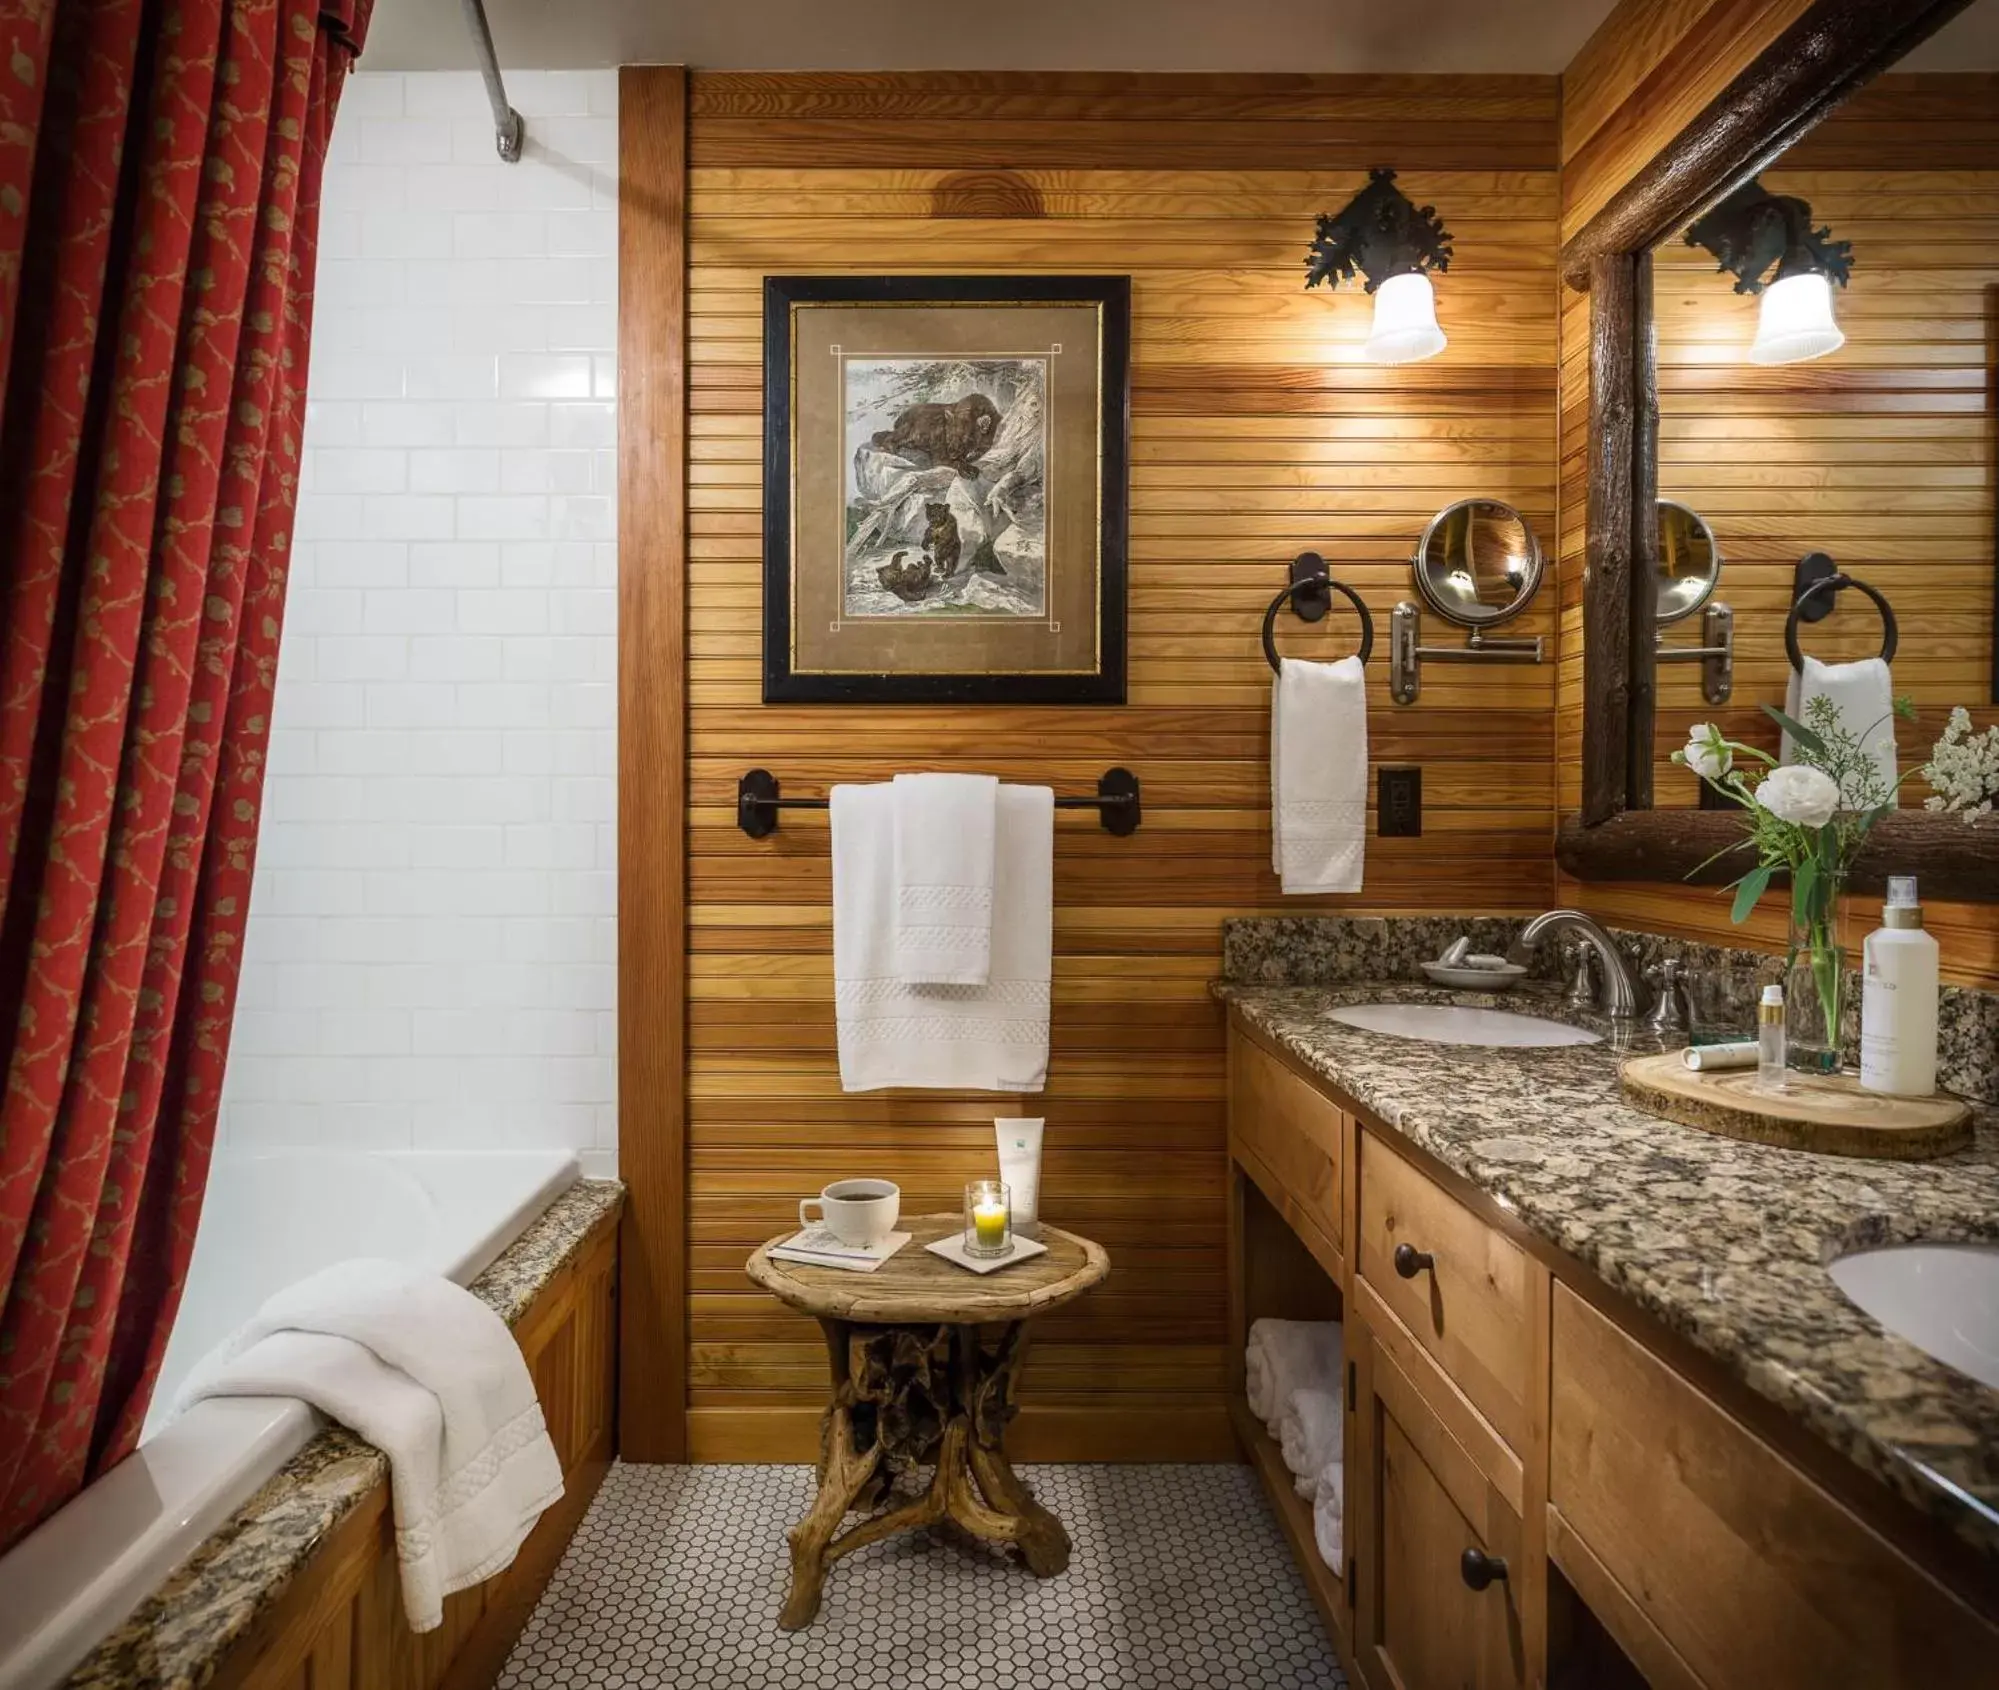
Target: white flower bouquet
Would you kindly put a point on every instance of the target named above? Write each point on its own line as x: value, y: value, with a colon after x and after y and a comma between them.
x: 1805, y: 819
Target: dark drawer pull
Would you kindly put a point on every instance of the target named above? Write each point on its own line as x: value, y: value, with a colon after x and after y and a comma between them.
x: 1480, y: 1569
x: 1410, y: 1261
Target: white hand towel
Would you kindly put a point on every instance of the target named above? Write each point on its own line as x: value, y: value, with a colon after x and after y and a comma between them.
x: 431, y: 1377
x: 1318, y: 775
x: 1864, y: 695
x: 1310, y: 1432
x: 944, y: 832
x: 956, y: 1038
x: 1329, y: 1509
x: 1284, y: 1356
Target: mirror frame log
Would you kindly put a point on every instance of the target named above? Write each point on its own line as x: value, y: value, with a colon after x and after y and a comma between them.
x: 1832, y: 49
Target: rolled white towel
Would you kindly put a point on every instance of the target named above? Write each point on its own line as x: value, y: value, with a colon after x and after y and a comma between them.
x: 1329, y: 1509
x: 1311, y: 1432
x: 1290, y: 1355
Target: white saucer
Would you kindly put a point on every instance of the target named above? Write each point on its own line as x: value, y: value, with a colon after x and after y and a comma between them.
x: 1476, y: 979
x: 952, y: 1249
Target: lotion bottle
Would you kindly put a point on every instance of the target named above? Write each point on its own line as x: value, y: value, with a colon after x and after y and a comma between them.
x: 1770, y: 1039
x: 1898, y: 999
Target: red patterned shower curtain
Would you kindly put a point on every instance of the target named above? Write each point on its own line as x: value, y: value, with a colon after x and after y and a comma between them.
x: 160, y: 165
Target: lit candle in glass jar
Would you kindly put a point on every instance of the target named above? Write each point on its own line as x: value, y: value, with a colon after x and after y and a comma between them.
x: 988, y: 1218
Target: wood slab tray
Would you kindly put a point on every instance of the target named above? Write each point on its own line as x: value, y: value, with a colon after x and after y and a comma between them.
x: 1828, y: 1113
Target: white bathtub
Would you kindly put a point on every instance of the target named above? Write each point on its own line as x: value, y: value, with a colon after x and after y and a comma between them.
x: 266, y: 1220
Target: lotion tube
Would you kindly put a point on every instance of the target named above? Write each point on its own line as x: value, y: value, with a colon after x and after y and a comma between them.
x: 1020, y: 1165
x: 1898, y: 999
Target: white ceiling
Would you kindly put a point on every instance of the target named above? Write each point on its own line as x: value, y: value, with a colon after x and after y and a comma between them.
x: 1213, y: 35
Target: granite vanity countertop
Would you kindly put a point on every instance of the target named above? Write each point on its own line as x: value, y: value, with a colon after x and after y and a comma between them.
x: 180, y: 1634
x: 1724, y: 1242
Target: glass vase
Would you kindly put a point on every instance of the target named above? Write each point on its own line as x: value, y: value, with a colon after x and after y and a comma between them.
x: 1815, y: 986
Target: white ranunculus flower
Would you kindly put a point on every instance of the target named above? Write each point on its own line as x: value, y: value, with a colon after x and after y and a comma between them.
x: 1799, y: 795
x: 1706, y: 753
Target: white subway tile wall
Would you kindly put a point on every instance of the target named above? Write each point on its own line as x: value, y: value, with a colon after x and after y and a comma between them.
x: 432, y: 947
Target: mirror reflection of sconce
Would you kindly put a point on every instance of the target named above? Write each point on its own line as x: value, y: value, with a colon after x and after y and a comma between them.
x: 1477, y: 565
x: 1395, y: 244
x: 1753, y: 229
x: 1684, y: 575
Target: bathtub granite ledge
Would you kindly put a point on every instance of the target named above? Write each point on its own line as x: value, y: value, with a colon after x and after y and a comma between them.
x: 1724, y: 1242
x: 180, y: 1635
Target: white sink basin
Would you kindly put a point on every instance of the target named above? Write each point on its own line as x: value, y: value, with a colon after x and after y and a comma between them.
x: 1943, y: 1298
x: 1453, y: 1024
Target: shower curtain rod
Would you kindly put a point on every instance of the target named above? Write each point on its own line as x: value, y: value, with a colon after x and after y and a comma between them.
x: 508, y: 130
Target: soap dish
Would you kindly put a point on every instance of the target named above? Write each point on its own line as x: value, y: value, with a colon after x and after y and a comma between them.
x: 1476, y: 979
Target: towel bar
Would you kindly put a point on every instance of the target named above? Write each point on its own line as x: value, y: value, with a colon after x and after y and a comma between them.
x: 757, y: 803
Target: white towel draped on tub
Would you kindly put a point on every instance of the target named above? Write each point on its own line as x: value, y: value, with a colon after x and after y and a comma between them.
x: 1318, y: 775
x: 431, y: 1377
x: 1864, y: 695
x: 945, y: 828
x: 1311, y: 1432
x: 1284, y: 1356
x: 959, y: 1038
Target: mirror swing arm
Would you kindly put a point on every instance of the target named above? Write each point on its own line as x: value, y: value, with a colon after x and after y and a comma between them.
x: 1833, y: 48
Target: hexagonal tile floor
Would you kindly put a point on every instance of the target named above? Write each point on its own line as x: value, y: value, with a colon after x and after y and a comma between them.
x: 1179, y: 1580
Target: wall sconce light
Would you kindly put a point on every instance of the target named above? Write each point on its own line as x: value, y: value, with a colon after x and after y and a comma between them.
x: 1751, y: 230
x: 1395, y: 245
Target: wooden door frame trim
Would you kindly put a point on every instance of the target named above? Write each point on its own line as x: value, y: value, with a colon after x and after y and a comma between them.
x: 1832, y: 49
x: 652, y: 759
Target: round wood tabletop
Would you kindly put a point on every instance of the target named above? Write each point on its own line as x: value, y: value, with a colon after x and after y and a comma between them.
x: 914, y: 1286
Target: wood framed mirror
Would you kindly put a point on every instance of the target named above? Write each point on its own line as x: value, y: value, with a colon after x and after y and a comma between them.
x: 1631, y: 826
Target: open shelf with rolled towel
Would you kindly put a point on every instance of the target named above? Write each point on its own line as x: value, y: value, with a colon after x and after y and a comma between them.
x: 1117, y: 802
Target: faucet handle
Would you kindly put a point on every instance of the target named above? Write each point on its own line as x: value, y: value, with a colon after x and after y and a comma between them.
x: 1667, y: 1016
x: 1582, y: 985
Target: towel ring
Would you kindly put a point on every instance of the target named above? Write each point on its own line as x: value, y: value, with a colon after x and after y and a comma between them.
x: 1889, y: 632
x: 1311, y: 589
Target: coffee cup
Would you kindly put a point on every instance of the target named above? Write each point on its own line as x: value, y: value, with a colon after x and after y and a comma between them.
x: 859, y: 1212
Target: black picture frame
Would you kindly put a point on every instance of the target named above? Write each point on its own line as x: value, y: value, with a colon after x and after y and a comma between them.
x: 781, y: 685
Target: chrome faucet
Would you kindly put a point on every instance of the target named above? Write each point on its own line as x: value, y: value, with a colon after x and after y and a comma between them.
x: 1620, y: 991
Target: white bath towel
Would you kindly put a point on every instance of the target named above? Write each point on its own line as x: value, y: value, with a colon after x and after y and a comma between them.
x: 431, y: 1377
x: 1864, y: 695
x: 1329, y: 1509
x: 960, y: 1038
x: 1290, y: 1355
x: 944, y: 833
x: 1310, y: 1432
x: 1318, y: 775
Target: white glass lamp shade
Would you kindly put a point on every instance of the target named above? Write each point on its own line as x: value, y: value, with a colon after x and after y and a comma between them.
x: 1796, y: 321
x: 1405, y: 321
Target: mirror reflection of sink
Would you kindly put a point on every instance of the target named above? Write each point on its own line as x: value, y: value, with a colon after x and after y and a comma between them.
x: 1943, y: 1298
x: 1456, y: 1024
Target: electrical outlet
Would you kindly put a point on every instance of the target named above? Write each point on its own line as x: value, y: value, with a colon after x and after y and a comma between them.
x: 1398, y: 808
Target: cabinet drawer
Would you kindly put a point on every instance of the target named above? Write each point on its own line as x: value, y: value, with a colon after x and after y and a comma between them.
x: 1294, y: 1133
x: 1468, y: 1308
x: 1752, y: 1573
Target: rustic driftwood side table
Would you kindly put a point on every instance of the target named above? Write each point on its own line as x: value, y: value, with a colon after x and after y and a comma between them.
x: 926, y: 1366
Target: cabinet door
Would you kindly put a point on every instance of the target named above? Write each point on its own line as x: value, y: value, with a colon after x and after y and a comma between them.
x: 1417, y: 1504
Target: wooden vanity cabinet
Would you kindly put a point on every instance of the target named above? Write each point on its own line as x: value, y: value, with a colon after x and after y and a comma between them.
x: 1503, y: 1401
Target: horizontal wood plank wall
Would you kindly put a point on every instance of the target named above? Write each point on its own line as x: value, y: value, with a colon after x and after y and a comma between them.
x: 1257, y: 432
x: 1882, y: 454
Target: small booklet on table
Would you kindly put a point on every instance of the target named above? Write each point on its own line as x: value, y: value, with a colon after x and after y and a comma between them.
x: 817, y: 1247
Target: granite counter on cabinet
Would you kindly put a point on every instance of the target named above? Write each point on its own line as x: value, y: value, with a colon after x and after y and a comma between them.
x: 1723, y: 1242
x: 179, y: 1635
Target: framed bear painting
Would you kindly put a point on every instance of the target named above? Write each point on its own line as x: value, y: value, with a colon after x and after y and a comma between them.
x: 944, y: 493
